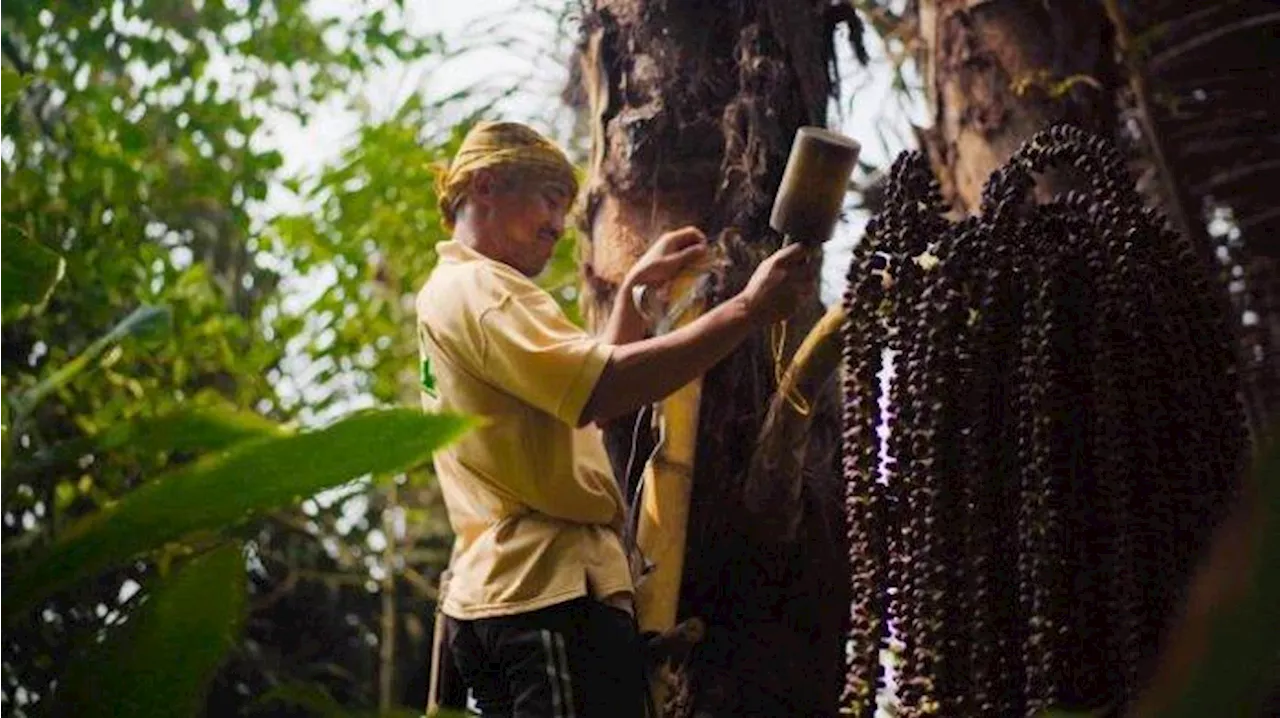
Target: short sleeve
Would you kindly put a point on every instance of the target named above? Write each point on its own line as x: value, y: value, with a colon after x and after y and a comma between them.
x: 531, y: 350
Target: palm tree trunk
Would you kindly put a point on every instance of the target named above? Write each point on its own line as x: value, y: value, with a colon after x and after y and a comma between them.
x: 692, y: 109
x: 998, y: 71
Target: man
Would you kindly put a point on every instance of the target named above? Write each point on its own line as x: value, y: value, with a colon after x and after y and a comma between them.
x: 538, y: 605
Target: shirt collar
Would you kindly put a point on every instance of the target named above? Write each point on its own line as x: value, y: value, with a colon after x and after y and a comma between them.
x: 455, y: 252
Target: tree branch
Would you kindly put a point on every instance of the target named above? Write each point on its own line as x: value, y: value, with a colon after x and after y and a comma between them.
x: 1219, y: 31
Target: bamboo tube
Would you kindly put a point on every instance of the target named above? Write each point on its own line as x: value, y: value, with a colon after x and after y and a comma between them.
x: 664, y: 513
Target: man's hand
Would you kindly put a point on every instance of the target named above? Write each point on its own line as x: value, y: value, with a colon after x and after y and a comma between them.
x: 674, y: 253
x: 670, y: 256
x: 644, y: 371
x: 780, y: 283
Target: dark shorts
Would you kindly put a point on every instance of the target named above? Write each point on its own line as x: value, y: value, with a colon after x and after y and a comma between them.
x: 578, y: 659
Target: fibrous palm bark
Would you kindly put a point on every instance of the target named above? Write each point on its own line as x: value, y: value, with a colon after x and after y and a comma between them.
x: 692, y: 108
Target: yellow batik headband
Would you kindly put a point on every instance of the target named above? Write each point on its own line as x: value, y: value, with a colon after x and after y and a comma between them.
x: 505, y: 144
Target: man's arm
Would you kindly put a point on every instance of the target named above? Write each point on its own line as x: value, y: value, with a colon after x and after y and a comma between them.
x: 625, y: 324
x: 643, y: 372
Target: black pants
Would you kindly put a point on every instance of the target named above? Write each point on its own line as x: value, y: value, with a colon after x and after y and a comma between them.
x: 578, y: 659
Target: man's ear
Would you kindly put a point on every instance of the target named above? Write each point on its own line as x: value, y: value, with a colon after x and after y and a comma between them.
x: 484, y: 184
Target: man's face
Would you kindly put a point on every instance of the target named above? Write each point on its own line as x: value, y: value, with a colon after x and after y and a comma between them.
x: 529, y: 216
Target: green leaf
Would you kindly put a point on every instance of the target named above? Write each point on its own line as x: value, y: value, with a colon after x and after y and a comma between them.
x: 311, y: 696
x: 145, y: 321
x: 161, y: 661
x: 196, y: 429
x: 6, y: 448
x: 11, y: 86
x: 225, y: 489
x: 132, y: 139
x: 317, y: 701
x: 28, y: 273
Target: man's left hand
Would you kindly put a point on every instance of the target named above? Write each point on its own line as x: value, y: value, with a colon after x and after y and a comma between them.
x: 670, y: 256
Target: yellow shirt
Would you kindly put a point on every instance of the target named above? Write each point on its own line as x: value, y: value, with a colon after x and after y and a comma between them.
x: 532, y: 500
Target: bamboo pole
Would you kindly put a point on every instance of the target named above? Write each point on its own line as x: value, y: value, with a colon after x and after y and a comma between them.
x: 663, y: 523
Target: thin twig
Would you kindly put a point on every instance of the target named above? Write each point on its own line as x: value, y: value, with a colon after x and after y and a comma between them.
x: 1218, y: 125
x: 1168, y: 28
x: 1169, y: 54
x: 387, y: 644
x: 1234, y: 174
x: 1257, y: 219
x: 420, y: 582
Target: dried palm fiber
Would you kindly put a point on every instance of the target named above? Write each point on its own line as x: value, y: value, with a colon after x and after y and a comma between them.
x: 1064, y: 431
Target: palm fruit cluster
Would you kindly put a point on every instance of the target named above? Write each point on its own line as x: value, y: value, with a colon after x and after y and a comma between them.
x: 1061, y: 433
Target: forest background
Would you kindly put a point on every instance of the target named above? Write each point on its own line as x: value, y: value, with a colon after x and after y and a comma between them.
x: 215, y: 216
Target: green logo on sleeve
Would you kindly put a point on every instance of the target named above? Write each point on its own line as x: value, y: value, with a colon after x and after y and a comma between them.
x: 427, y: 379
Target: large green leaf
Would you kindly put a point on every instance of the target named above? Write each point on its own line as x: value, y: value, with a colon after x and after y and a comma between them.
x: 146, y: 320
x: 160, y: 663
x: 28, y: 273
x: 195, y: 429
x: 228, y: 488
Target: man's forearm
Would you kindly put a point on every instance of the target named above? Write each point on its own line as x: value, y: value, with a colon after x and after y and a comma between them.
x: 625, y: 324
x: 643, y: 372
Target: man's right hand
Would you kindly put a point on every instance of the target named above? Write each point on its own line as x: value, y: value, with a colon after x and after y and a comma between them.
x: 781, y: 282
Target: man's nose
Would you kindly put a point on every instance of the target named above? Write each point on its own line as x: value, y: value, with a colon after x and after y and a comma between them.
x: 557, y: 224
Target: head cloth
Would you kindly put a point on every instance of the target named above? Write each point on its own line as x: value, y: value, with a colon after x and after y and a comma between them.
x: 501, y: 145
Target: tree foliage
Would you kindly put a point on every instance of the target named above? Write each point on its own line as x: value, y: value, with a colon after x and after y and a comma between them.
x: 169, y: 385
x: 182, y: 359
